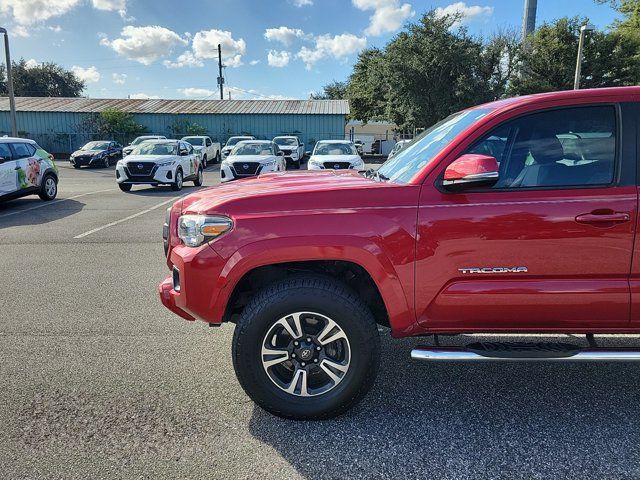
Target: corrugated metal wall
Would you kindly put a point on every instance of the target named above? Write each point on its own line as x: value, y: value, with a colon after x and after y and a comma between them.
x: 62, y: 132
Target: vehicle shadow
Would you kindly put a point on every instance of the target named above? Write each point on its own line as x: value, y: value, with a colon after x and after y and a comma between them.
x: 162, y: 191
x: 19, y: 211
x: 489, y: 420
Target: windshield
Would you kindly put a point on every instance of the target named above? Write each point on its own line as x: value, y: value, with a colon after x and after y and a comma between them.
x: 285, y: 141
x: 194, y: 140
x: 152, y: 148
x: 335, y: 149
x: 96, y: 146
x: 414, y: 156
x: 233, y: 140
x: 139, y: 140
x: 251, y: 148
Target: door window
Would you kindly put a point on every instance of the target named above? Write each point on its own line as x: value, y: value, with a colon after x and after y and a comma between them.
x: 23, y: 150
x: 5, y: 151
x: 208, y: 142
x: 558, y: 148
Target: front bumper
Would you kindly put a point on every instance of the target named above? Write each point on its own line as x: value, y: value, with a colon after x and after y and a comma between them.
x: 157, y: 175
x: 228, y: 172
x: 353, y: 166
x: 197, y: 272
x: 86, y: 161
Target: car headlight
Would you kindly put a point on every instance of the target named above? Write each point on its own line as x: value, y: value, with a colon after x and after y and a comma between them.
x: 269, y: 164
x: 194, y: 230
x: 315, y: 163
x: 166, y: 164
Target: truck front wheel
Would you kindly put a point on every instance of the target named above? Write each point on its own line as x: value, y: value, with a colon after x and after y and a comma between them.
x: 306, y: 348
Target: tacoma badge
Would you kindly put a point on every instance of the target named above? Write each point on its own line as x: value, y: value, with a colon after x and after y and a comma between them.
x: 494, y: 270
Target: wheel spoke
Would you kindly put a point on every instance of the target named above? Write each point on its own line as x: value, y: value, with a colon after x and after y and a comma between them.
x: 271, y: 357
x: 330, y: 333
x: 329, y: 366
x: 299, y: 379
x: 296, y: 330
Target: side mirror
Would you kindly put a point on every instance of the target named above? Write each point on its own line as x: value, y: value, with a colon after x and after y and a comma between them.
x: 302, y: 145
x: 224, y: 145
x: 469, y: 171
x: 3, y: 159
x: 281, y: 154
x: 184, y: 153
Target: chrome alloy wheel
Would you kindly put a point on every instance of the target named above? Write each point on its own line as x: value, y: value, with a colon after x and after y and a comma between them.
x: 50, y: 187
x: 306, y: 354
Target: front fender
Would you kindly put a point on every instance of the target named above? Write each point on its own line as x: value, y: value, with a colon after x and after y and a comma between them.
x: 366, y: 254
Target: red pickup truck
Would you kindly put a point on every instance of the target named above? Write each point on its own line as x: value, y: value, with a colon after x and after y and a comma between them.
x: 517, y: 216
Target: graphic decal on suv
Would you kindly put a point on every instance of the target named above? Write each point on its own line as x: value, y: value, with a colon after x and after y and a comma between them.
x: 493, y: 270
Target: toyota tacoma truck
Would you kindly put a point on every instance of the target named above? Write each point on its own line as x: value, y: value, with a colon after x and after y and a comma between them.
x: 517, y: 216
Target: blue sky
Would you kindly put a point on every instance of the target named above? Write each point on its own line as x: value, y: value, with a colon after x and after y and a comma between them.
x: 273, y: 48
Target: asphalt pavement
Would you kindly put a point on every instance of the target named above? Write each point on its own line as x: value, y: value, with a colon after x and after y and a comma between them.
x: 98, y: 380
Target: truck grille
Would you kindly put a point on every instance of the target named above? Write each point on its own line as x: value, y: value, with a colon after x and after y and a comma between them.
x: 337, y: 165
x: 246, y: 168
x: 140, y: 169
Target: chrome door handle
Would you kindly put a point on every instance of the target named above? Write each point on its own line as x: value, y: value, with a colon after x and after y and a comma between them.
x: 614, y: 217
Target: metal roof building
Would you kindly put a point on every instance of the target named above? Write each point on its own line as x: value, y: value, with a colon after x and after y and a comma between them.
x: 61, y: 125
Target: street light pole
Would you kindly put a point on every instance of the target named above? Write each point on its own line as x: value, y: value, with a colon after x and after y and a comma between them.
x: 12, y: 100
x: 583, y: 33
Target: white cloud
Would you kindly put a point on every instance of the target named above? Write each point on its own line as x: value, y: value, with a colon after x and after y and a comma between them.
x: 187, y: 59
x: 278, y: 59
x: 205, y: 45
x: 196, y: 92
x: 302, y: 3
x: 20, y: 31
x: 143, y: 96
x: 337, y: 46
x: 55, y: 28
x: 109, y: 5
x: 388, y: 15
x: 284, y: 35
x: 90, y: 74
x: 32, y: 63
x: 254, y: 62
x: 30, y: 12
x: 466, y: 12
x: 119, y: 78
x: 144, y: 44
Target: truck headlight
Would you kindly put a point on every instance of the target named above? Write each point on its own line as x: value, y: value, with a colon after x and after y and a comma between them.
x: 194, y: 230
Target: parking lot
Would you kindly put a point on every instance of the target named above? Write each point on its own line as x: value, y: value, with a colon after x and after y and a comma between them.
x: 97, y: 379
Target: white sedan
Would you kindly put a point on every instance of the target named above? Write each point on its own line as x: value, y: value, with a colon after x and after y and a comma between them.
x: 250, y: 158
x: 160, y: 162
x: 336, y: 155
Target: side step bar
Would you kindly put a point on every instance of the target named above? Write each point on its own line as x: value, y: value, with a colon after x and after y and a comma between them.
x: 491, y: 351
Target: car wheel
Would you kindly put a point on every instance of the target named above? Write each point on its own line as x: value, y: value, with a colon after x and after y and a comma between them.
x: 204, y: 162
x: 296, y: 164
x: 75, y: 165
x: 177, y: 185
x: 199, y: 178
x: 217, y: 157
x: 106, y: 163
x: 306, y: 348
x: 125, y: 187
x: 48, y: 188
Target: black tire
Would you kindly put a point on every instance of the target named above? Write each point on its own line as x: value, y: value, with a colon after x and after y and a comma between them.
x: 48, y: 188
x: 323, y: 296
x: 199, y: 178
x: 217, y: 159
x: 204, y: 161
x: 107, y: 162
x: 177, y: 185
x: 296, y: 164
x: 75, y: 165
x: 125, y: 187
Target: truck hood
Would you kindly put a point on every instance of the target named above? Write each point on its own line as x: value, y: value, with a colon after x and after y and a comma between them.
x: 279, y: 192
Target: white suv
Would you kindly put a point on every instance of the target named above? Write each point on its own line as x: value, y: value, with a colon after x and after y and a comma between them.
x: 250, y: 158
x: 293, y: 149
x: 335, y: 155
x: 160, y: 162
x: 138, y: 140
x: 232, y: 142
x: 26, y: 169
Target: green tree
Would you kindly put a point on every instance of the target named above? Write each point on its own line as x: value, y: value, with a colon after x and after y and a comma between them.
x: 367, y: 89
x: 42, y: 80
x: 332, y: 91
x: 627, y: 29
x: 549, y: 61
x: 112, y: 123
x: 185, y: 127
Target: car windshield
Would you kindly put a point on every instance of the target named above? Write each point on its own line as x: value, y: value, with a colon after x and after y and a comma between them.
x: 421, y: 151
x: 152, y: 148
x: 194, y: 140
x: 96, y: 146
x: 335, y: 149
x: 250, y: 148
x: 233, y: 140
x: 285, y: 141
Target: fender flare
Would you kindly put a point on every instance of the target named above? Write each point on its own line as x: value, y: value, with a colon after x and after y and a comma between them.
x: 360, y: 251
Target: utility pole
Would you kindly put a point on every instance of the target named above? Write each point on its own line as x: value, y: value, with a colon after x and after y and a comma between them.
x: 529, y: 18
x: 12, y: 100
x: 220, y: 77
x: 583, y: 33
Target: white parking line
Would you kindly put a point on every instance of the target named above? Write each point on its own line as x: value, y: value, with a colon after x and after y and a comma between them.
x: 48, y: 204
x: 85, y: 234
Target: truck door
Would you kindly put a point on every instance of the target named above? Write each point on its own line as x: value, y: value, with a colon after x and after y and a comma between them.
x: 549, y: 246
